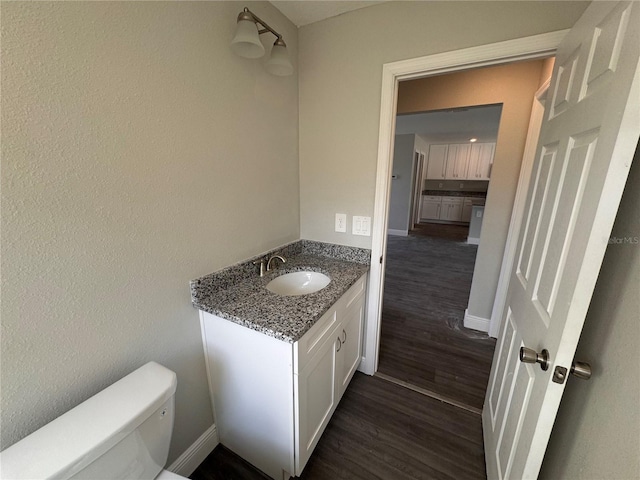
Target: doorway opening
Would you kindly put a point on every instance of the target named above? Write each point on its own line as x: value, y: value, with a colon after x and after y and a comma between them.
x: 450, y: 145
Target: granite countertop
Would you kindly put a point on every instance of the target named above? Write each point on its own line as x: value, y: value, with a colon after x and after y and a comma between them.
x: 454, y: 193
x: 238, y: 293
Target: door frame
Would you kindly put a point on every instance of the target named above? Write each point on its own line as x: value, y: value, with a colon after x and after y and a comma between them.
x: 526, y: 48
x: 416, y: 187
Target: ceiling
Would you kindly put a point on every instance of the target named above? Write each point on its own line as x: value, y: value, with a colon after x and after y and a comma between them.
x: 457, y: 124
x: 304, y: 12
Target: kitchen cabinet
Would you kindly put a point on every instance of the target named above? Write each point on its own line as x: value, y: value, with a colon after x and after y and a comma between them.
x: 431, y: 206
x: 451, y: 209
x: 467, y: 206
x: 448, y: 208
x: 272, y: 399
x: 457, y: 161
x: 460, y: 161
x: 480, y: 161
x: 437, y: 162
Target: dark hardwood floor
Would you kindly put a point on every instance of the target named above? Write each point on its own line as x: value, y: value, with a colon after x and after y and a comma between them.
x: 386, y: 430
x: 423, y: 340
x: 380, y: 431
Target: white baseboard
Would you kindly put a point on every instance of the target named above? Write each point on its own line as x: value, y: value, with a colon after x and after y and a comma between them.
x: 473, y: 240
x: 476, y: 323
x: 187, y: 463
x: 400, y: 233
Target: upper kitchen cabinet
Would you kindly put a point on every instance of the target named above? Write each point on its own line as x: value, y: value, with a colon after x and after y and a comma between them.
x: 437, y: 164
x: 460, y: 161
x: 457, y: 161
x: 480, y: 161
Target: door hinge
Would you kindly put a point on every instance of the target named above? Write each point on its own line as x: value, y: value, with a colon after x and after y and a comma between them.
x: 380, y: 259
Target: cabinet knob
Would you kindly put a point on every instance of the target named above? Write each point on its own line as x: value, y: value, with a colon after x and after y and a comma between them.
x: 344, y: 339
x: 339, y: 344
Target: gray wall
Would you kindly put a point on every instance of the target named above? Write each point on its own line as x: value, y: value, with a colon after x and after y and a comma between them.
x: 137, y: 153
x: 597, y: 432
x: 400, y: 201
x: 340, y: 73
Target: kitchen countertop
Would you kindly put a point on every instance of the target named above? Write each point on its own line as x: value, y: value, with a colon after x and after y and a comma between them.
x: 238, y: 293
x: 454, y: 193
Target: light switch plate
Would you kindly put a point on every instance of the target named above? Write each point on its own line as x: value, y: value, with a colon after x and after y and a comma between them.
x: 361, y: 226
x: 341, y: 222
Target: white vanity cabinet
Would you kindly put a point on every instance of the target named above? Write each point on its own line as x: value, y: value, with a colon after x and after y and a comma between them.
x: 272, y: 399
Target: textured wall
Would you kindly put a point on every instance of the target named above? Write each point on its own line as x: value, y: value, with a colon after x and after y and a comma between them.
x: 513, y: 86
x: 596, y: 433
x: 137, y: 153
x: 341, y: 62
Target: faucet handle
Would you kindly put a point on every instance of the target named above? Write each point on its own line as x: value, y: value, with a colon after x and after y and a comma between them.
x: 261, y: 262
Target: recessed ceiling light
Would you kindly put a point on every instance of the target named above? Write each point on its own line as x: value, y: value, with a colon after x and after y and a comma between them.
x: 473, y: 140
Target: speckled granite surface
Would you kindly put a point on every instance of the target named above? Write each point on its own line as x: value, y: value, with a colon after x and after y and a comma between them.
x: 238, y: 293
x: 454, y: 193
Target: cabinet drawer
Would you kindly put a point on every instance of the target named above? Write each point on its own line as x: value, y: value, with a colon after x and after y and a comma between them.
x: 431, y: 198
x: 453, y: 200
x: 353, y: 294
x: 311, y: 341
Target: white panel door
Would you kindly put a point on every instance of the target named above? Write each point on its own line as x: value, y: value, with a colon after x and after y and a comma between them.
x: 588, y: 137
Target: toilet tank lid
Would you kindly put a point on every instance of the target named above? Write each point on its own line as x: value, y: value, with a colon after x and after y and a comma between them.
x: 75, y: 439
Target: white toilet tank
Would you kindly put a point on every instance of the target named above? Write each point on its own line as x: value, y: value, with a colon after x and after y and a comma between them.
x: 123, y: 432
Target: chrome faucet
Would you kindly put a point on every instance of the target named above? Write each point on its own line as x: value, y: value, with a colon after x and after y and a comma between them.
x: 265, y: 265
x: 282, y: 259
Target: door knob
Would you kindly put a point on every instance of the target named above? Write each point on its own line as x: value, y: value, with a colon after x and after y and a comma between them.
x: 581, y: 370
x: 531, y: 356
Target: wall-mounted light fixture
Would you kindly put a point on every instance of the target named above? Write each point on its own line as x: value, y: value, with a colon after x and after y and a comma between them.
x: 247, y: 43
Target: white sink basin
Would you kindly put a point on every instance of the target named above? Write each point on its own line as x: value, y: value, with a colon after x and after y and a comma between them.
x: 298, y: 283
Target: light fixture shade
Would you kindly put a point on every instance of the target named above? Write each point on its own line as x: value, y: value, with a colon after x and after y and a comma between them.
x: 278, y: 63
x: 247, y: 42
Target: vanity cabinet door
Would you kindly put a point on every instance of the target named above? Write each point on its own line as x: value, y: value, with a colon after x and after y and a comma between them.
x: 315, y: 388
x: 350, y: 352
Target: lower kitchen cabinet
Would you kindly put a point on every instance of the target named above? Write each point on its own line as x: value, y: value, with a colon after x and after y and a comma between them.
x: 431, y: 206
x: 467, y: 206
x: 445, y: 208
x: 451, y: 209
x: 272, y: 399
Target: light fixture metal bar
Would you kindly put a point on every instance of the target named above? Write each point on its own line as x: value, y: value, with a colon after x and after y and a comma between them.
x: 247, y: 14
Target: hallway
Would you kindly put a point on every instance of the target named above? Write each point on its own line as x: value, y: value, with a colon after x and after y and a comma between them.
x: 423, y: 341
